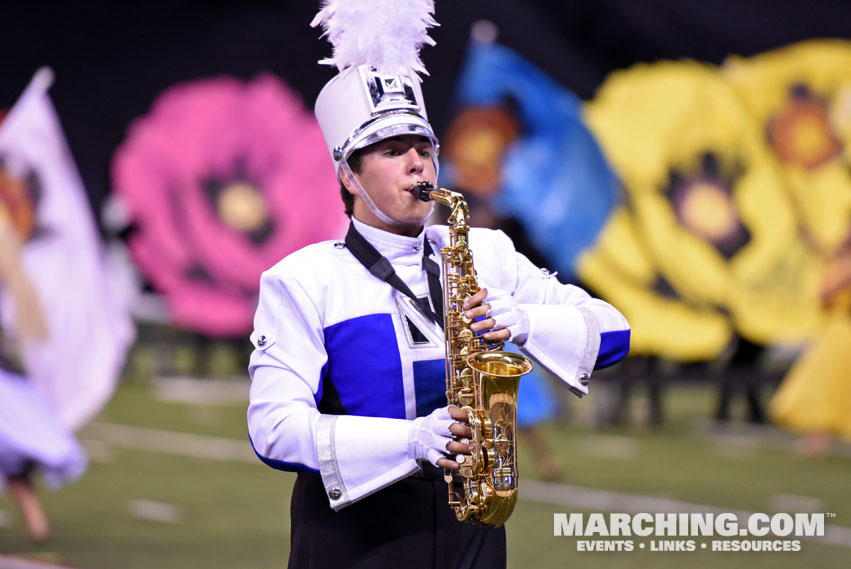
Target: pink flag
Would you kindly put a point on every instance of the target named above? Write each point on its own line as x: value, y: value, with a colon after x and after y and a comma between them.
x: 78, y: 364
x: 222, y: 178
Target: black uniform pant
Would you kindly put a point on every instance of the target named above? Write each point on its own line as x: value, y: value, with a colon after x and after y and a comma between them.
x: 408, y: 524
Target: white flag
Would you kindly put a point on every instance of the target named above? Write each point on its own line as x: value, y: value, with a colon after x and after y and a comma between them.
x: 78, y: 365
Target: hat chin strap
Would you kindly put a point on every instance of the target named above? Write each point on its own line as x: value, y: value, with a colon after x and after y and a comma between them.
x: 361, y: 191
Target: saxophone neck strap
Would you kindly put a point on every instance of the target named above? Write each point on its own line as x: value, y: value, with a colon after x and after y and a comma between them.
x: 380, y: 267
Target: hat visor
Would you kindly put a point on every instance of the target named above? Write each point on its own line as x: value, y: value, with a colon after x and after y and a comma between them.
x: 382, y: 128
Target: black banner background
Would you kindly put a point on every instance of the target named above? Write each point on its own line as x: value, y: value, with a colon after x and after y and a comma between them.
x: 111, y: 60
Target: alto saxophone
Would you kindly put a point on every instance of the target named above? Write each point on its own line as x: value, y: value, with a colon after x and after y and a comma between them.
x: 481, y: 379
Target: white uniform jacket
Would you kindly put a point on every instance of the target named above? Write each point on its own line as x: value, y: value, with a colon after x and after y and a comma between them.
x: 343, y: 362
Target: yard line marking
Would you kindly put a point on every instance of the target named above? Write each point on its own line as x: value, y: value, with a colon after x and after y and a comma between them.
x: 202, y: 391
x: 613, y: 447
x: 795, y: 503
x: 594, y: 500
x: 155, y: 511
x: 170, y: 442
x: 555, y: 493
x: 8, y: 562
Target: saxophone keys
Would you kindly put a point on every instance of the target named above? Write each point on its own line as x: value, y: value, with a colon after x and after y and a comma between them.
x: 485, y: 491
x: 489, y: 456
x: 487, y: 426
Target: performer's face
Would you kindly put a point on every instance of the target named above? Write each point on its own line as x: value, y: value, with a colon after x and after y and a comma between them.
x: 389, y: 169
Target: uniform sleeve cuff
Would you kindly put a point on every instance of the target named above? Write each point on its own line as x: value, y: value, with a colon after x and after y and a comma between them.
x: 565, y: 340
x: 361, y: 455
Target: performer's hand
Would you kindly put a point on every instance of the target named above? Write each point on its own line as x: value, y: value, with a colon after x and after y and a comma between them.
x: 461, y: 445
x: 474, y: 308
x: 434, y: 435
x: 506, y: 319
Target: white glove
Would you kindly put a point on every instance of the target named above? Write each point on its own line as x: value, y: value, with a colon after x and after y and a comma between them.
x: 507, y: 314
x: 429, y: 436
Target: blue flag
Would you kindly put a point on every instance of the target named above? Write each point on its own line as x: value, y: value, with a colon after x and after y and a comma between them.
x: 554, y: 178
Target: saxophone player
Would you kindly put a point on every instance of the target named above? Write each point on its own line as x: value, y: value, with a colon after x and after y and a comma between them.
x: 348, y: 377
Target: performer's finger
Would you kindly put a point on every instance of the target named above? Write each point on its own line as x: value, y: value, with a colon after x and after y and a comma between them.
x: 477, y: 312
x: 461, y: 430
x: 475, y: 300
x: 457, y: 413
x: 486, y: 324
x: 498, y: 335
x: 457, y: 447
x: 450, y: 464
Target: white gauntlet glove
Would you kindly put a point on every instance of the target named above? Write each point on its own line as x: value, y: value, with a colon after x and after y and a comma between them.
x: 429, y: 436
x: 507, y: 314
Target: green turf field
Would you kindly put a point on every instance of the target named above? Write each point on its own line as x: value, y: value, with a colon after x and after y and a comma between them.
x: 182, y: 489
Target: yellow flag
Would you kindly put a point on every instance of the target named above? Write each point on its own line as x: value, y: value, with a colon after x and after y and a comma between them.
x: 800, y: 98
x: 708, y: 199
x: 618, y: 269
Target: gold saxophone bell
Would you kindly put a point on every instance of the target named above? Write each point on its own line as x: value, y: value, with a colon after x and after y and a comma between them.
x: 481, y: 379
x: 496, y: 375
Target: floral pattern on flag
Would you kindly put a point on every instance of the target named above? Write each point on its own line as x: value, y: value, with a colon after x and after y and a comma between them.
x: 708, y: 206
x: 223, y: 178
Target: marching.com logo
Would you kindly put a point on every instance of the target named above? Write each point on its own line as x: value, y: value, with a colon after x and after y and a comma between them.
x: 689, y: 525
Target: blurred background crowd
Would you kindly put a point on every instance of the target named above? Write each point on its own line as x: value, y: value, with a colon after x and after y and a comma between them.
x: 689, y: 162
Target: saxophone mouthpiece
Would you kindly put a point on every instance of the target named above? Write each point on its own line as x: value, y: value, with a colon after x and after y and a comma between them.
x: 422, y: 191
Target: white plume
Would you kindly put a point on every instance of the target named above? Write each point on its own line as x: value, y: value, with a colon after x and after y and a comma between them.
x: 386, y: 34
